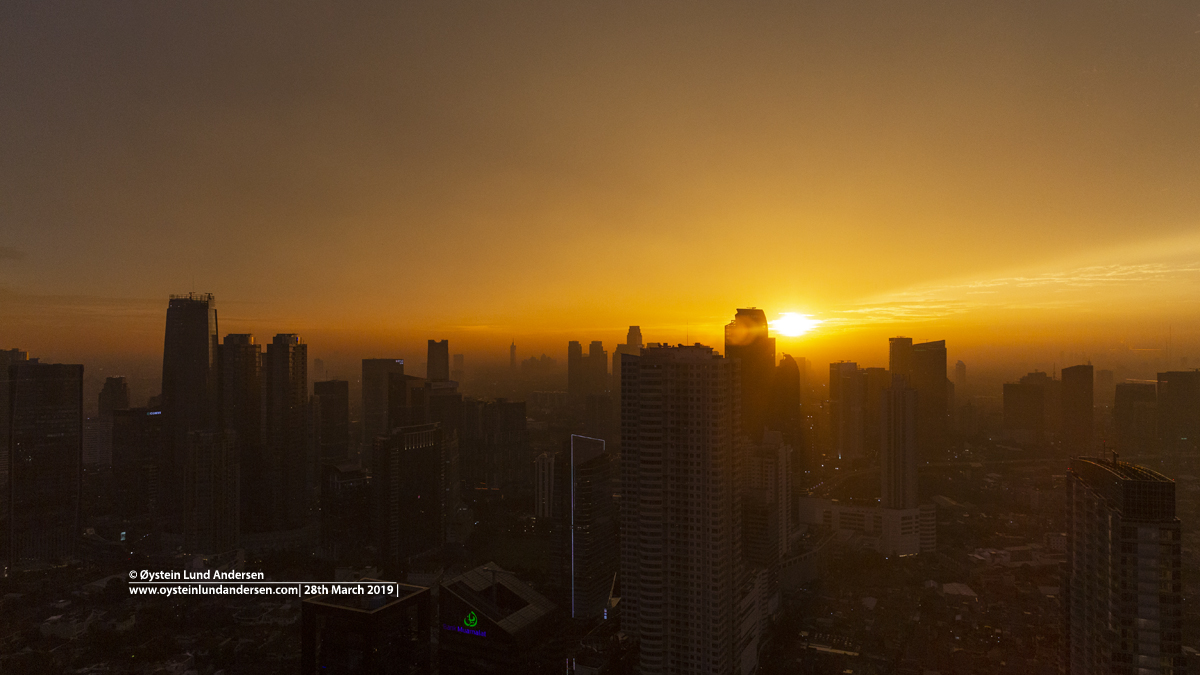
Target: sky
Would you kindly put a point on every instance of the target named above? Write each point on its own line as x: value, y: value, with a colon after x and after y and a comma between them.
x: 1021, y: 179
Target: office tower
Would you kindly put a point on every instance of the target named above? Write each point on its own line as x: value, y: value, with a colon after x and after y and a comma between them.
x: 1179, y: 409
x: 333, y: 424
x: 211, y: 497
x: 495, y: 442
x: 459, y: 372
x: 1105, y: 387
x: 375, y: 397
x: 898, y: 454
x: 240, y: 359
x: 407, y: 488
x: 288, y: 467
x: 437, y: 367
x: 960, y: 377
x: 785, y: 401
x: 747, y: 339
x: 874, y: 382
x: 586, y: 375
x: 1123, y: 590
x: 590, y: 516
x: 137, y: 441
x: 318, y: 370
x: 1024, y: 411
x: 543, y: 486
x: 367, y: 634
x: 113, y: 396
x: 45, y: 441
x: 8, y: 357
x: 766, y: 507
x: 900, y: 356
x: 512, y: 356
x: 682, y: 577
x: 632, y: 345
x: 597, y: 368
x: 847, y: 410
x: 345, y: 508
x: 929, y: 379
x: 1077, y: 403
x: 1135, y: 416
x: 190, y: 389
x: 576, y: 372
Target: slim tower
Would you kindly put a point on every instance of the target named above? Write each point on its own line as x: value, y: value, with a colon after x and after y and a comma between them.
x: 898, y: 454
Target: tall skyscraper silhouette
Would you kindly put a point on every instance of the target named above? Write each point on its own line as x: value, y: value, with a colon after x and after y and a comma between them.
x: 960, y: 377
x: 190, y: 390
x: 407, y: 493
x: 241, y: 414
x: 587, y: 375
x: 375, y: 374
x: 1135, y: 416
x: 211, y: 500
x: 8, y: 357
x: 747, y: 339
x: 113, y: 396
x: 512, y: 357
x: 847, y: 410
x: 289, y: 461
x: 437, y: 367
x: 1078, y: 404
x: 591, y: 525
x: 898, y: 455
x: 900, y: 356
x: 632, y: 345
x: 137, y: 454
x: 929, y: 379
x: 1179, y: 409
x: 44, y: 421
x: 1123, y: 590
x: 334, y: 423
x: 682, y: 574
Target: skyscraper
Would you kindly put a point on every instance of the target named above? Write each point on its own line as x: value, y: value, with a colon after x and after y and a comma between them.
x: 682, y: 577
x: 747, y: 339
x: 900, y: 356
x: 289, y: 464
x: 576, y: 372
x: 334, y: 423
x: 1135, y: 416
x: 929, y: 379
x: 586, y: 375
x: 1179, y: 409
x: 137, y: 439
x: 512, y: 357
x: 543, y: 487
x: 632, y: 345
x: 407, y: 494
x: 114, y: 396
x: 438, y: 361
x: 1078, y: 403
x: 1123, y: 588
x: 847, y: 410
x: 241, y: 414
x: 190, y: 389
x: 375, y: 398
x: 898, y: 454
x: 45, y: 441
x: 591, y: 525
x: 8, y: 357
x: 211, y: 500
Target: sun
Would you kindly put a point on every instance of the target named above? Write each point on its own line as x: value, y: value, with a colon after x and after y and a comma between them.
x: 790, y: 324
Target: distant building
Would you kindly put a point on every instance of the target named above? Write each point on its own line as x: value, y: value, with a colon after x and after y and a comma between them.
x: 495, y: 447
x: 929, y: 379
x: 345, y: 508
x: 367, y: 634
x: 408, y: 508
x: 1123, y: 591
x: 438, y: 362
x: 586, y: 375
x: 898, y: 454
x: 113, y: 396
x: 242, y: 413
x: 766, y: 509
x: 847, y: 410
x: 890, y: 532
x: 44, y: 421
x: 1105, y: 387
x: 334, y: 422
x: 632, y: 345
x: 1078, y: 403
x: 543, y: 487
x: 747, y: 338
x: 1179, y: 409
x: 900, y: 356
x: 590, y: 520
x: 137, y: 454
x: 211, y: 497
x: 960, y: 377
x: 289, y: 461
x: 512, y: 356
x: 1135, y: 416
x: 375, y: 397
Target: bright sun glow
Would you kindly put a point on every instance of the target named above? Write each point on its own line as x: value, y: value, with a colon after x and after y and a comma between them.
x: 790, y: 324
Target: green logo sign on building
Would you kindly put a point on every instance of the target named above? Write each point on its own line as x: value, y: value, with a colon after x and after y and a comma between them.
x: 471, y: 621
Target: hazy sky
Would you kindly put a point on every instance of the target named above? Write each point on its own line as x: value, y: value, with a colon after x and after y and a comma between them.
x: 374, y: 174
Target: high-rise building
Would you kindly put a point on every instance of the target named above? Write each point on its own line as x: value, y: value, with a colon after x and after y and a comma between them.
x: 190, y: 389
x: 137, y: 438
x: 847, y: 410
x: 632, y: 345
x: 785, y: 414
x: 437, y: 368
x: 766, y: 507
x: 512, y: 357
x: 241, y: 414
x: 114, y: 396
x: 543, y: 487
x: 8, y: 357
x: 375, y: 398
x: 960, y: 377
x: 898, y: 454
x: 1078, y: 403
x: 211, y: 500
x: 683, y: 581
x: 874, y: 382
x: 747, y: 339
x: 45, y: 442
x: 1135, y: 416
x: 1179, y: 409
x: 900, y: 356
x: 1024, y: 411
x: 407, y: 489
x: 495, y: 443
x: 334, y: 422
x: 590, y: 520
x: 1123, y: 590
x: 289, y: 463
x: 929, y: 379
x: 367, y: 634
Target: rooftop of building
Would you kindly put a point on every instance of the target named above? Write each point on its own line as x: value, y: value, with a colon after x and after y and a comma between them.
x: 1124, y: 470
x: 504, y: 599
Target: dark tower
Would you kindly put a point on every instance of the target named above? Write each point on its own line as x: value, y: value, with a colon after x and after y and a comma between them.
x: 114, y: 396
x: 1077, y: 406
x: 289, y: 469
x: 898, y: 454
x: 437, y: 367
x: 929, y: 379
x: 747, y: 339
x: 241, y: 414
x: 334, y: 423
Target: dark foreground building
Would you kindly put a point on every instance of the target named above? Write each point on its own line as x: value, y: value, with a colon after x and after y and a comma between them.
x: 1123, y: 588
x: 367, y: 634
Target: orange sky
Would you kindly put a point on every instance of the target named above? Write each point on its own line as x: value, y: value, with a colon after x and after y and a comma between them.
x: 1019, y: 178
